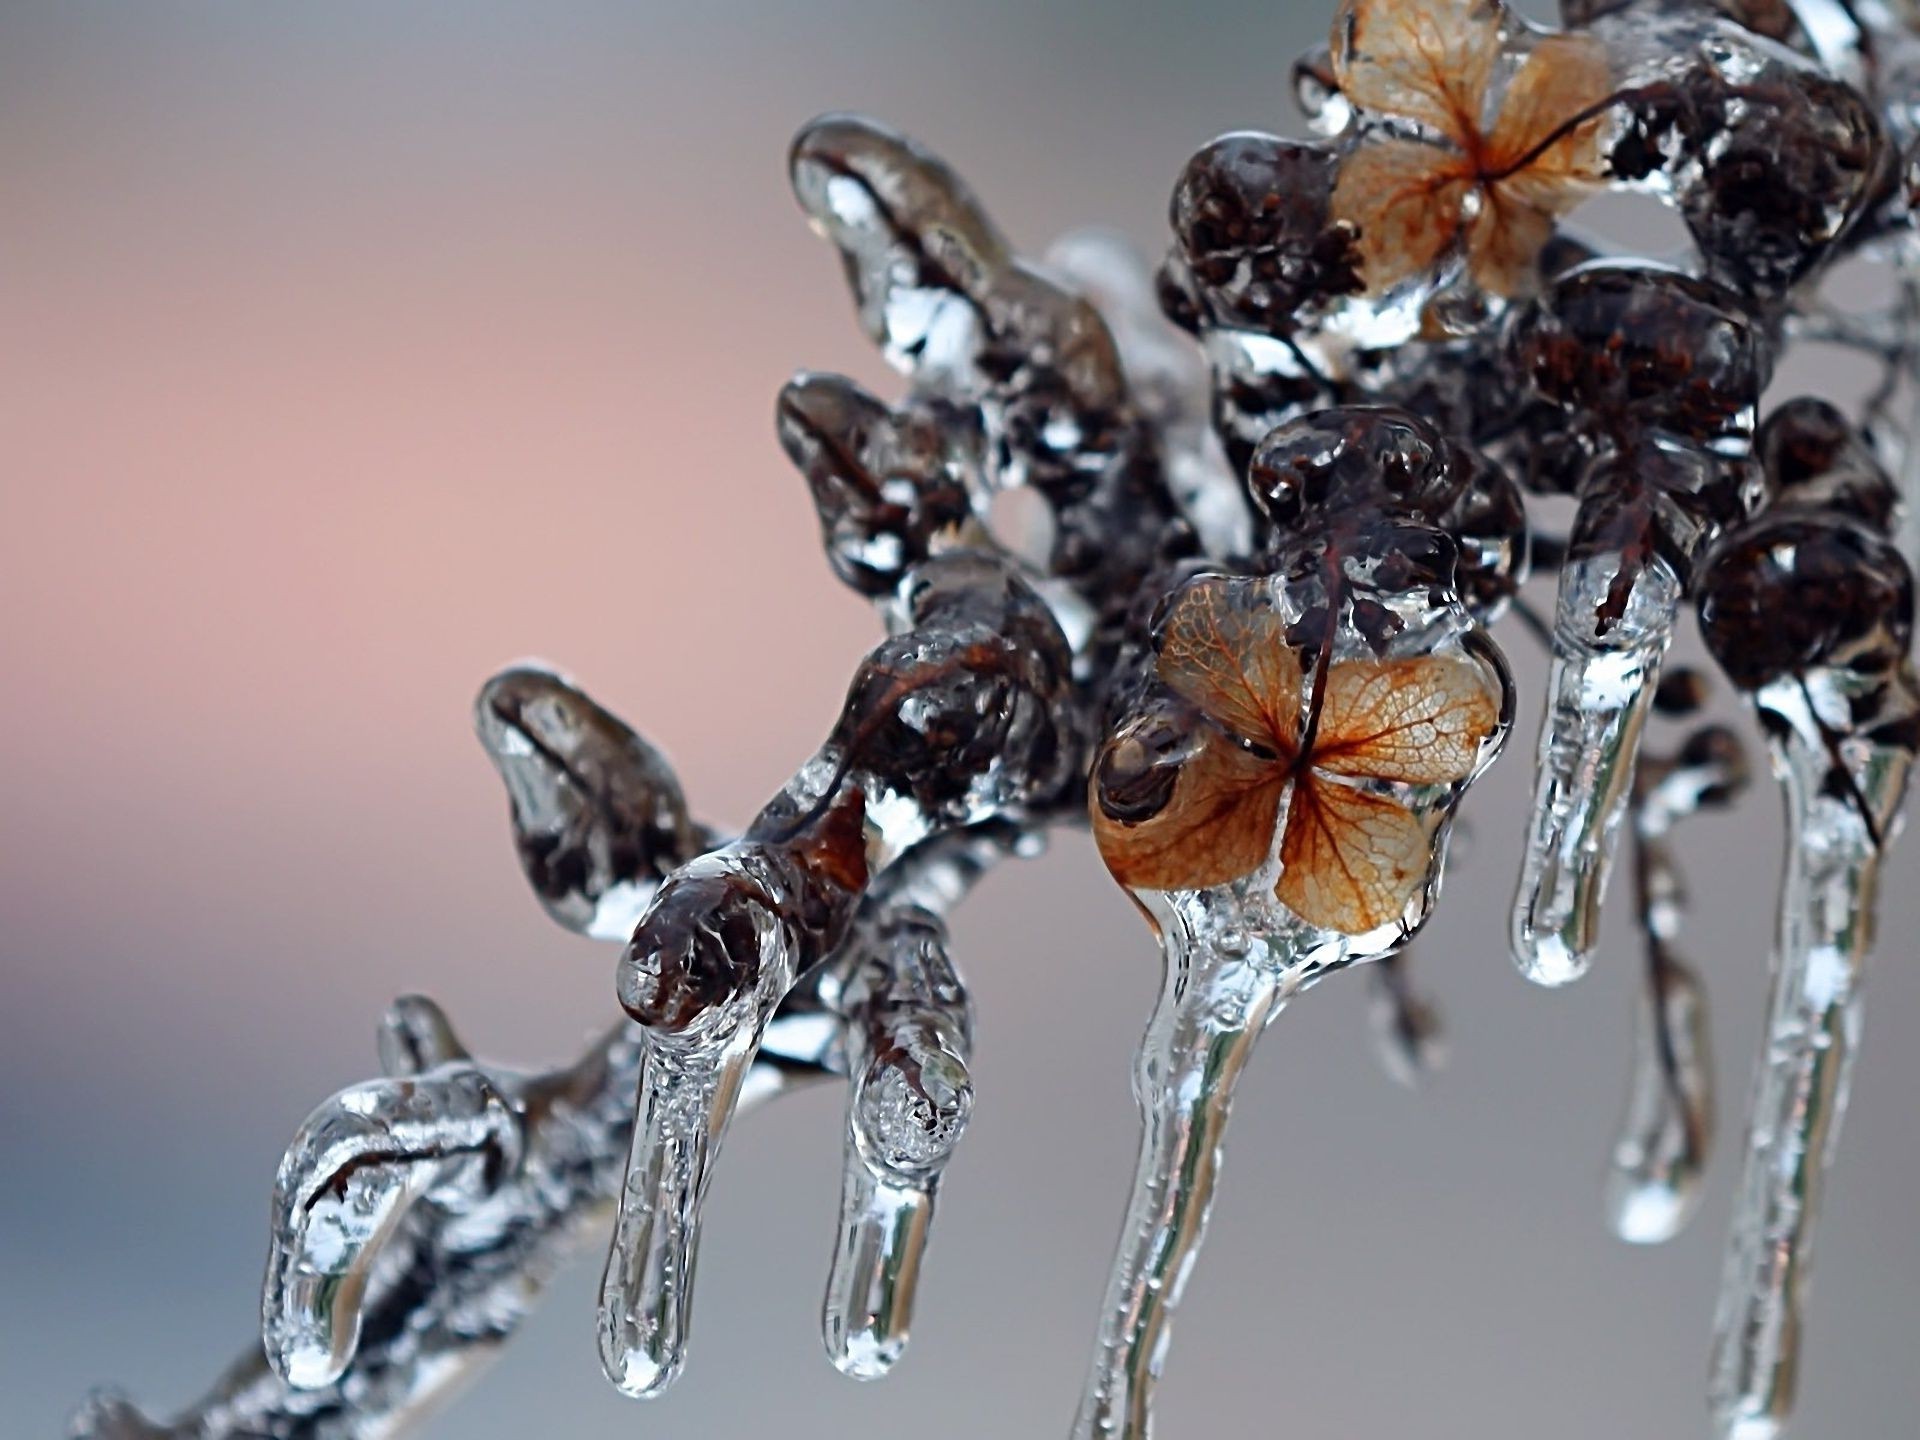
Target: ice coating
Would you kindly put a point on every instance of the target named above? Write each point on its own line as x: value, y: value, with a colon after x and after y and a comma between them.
x: 1378, y: 540
x: 1655, y: 1168
x: 908, y: 1036
x: 1276, y: 791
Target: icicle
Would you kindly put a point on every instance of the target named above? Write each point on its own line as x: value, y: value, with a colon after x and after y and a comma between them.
x: 1653, y: 1180
x: 908, y: 1035
x: 358, y: 1164
x: 1599, y: 690
x: 1834, y: 847
x: 1407, y: 1035
x: 1218, y: 994
x: 690, y: 1085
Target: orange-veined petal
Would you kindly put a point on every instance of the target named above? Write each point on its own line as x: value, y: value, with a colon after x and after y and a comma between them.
x: 1224, y: 649
x: 1425, y: 60
x: 1505, y: 239
x: 1420, y: 720
x: 1561, y: 77
x: 1350, y: 861
x: 1403, y: 198
x: 1216, y: 826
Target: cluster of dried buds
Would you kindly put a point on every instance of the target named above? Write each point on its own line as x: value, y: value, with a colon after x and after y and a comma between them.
x: 1244, y: 635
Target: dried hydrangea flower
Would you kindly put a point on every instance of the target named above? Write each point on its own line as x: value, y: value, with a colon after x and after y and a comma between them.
x: 1479, y: 136
x: 1350, y: 857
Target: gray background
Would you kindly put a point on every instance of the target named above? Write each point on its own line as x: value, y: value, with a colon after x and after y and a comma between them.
x: 354, y: 350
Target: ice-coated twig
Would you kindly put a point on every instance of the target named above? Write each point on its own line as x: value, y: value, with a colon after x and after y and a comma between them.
x: 908, y: 1036
x: 1653, y: 1176
x: 963, y: 717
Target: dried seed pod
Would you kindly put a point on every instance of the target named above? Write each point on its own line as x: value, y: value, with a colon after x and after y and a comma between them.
x: 1644, y: 346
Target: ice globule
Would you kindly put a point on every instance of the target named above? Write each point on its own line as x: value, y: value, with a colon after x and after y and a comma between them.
x: 908, y: 1036
x: 1656, y: 1164
x: 1663, y: 372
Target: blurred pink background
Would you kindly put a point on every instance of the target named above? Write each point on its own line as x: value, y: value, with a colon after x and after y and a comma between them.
x: 352, y: 351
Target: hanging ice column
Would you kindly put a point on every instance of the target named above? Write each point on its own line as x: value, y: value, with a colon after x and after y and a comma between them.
x: 1661, y: 371
x: 1653, y: 1178
x: 1278, y: 815
x: 1810, y: 609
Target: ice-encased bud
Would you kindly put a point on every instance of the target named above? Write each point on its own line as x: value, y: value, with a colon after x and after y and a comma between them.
x: 888, y: 484
x: 1645, y: 344
x: 598, y: 816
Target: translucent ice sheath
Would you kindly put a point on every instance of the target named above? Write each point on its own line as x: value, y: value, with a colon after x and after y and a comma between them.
x: 1214, y: 1002
x: 1823, y: 935
x: 690, y: 1085
x: 1599, y: 689
x: 908, y: 1034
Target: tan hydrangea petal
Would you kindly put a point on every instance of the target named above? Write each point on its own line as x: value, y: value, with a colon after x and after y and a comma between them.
x: 1216, y: 826
x: 1403, y: 200
x: 1224, y: 649
x: 1425, y: 60
x: 1350, y: 861
x: 1562, y: 77
x: 1420, y: 720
